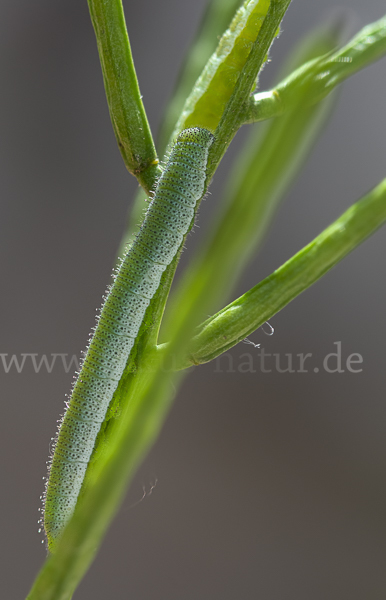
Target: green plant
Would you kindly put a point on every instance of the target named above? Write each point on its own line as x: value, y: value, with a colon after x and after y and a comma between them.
x: 144, y: 393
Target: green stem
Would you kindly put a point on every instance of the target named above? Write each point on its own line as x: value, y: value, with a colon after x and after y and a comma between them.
x: 231, y: 117
x: 127, y: 112
x: 215, y: 20
x: 214, y: 88
x: 320, y: 76
x: 237, y: 320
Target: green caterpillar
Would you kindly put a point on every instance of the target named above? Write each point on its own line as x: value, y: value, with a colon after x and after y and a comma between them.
x: 167, y: 220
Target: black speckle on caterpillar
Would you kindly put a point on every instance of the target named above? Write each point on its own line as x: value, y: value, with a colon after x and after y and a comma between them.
x: 167, y: 220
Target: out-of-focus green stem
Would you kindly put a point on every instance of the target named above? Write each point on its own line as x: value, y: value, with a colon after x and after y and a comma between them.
x: 320, y: 75
x: 237, y: 320
x: 127, y: 112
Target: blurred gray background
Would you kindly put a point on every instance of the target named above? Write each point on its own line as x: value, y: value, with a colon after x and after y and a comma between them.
x: 269, y: 485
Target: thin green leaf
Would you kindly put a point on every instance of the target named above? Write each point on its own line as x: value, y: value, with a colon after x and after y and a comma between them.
x: 237, y: 320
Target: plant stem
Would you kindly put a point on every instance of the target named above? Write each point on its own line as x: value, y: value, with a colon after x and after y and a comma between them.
x: 230, y: 120
x: 214, y: 22
x: 127, y: 112
x: 216, y: 85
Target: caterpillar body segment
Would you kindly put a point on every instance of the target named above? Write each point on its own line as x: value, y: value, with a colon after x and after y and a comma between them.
x: 168, y: 219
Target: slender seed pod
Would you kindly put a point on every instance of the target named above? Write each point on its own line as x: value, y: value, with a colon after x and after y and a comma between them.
x: 168, y: 219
